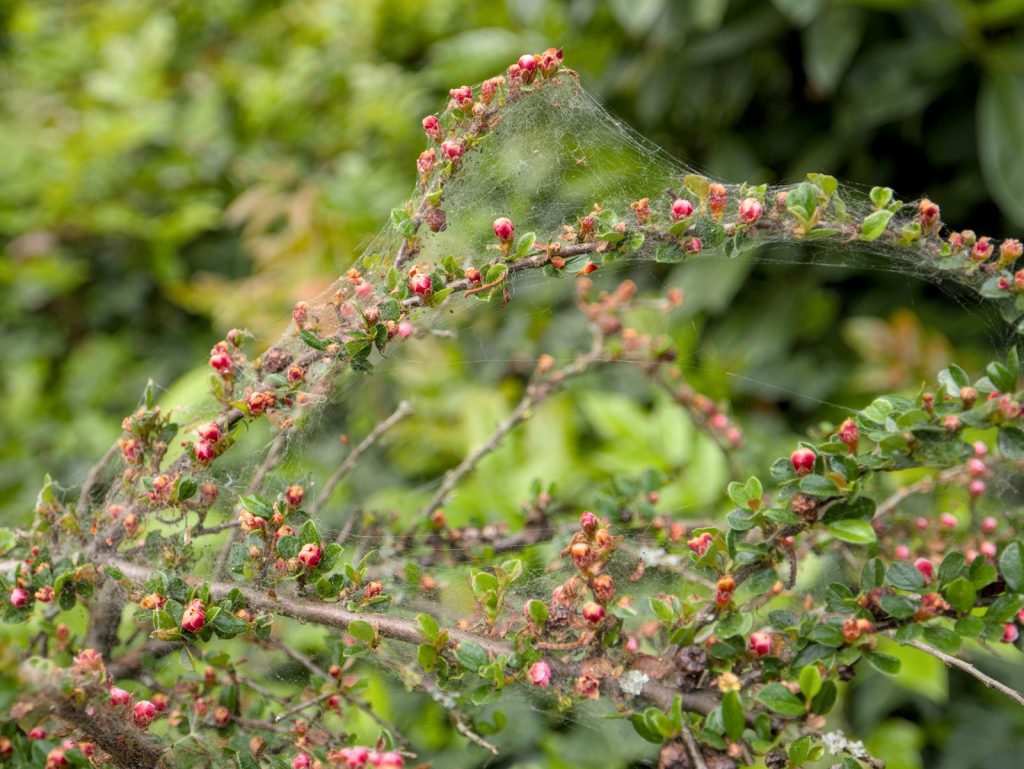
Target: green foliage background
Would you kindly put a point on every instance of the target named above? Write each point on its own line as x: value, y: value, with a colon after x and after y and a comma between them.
x: 169, y: 170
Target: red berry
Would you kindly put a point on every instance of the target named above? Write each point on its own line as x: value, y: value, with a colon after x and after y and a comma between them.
x: 803, y: 461
x: 504, y: 229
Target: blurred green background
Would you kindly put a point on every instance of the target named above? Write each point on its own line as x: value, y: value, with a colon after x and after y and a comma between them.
x: 169, y: 170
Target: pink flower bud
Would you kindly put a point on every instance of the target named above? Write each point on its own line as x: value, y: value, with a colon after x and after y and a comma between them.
x: 902, y: 552
x: 760, y: 644
x: 803, y: 461
x: 681, y: 209
x: 540, y: 674
x: 210, y: 431
x: 926, y: 568
x: 1010, y: 633
x: 293, y: 496
x: 987, y: 549
x: 311, y: 555
x: 355, y: 757
x: 37, y: 733
x: 593, y: 612
x: 405, y: 329
x: 588, y: 521
x: 194, y: 617
x: 160, y: 702
x: 749, y: 211
x: 928, y: 214
x: 301, y: 761
x: 976, y: 467
x: 921, y: 523
x: 849, y: 435
x: 203, y: 451
x: 694, y: 246
x: 119, y: 696
x: 700, y: 545
x: 980, y: 448
x: 452, y: 149
x: 527, y: 63
x: 989, y: 524
x: 432, y: 127
x: 56, y: 759
x: 462, y: 98
x: 19, y: 597
x: 948, y: 520
x: 976, y: 488
x: 221, y: 362
x: 143, y: 713
x: 981, y: 250
x: 504, y: 229
x: 425, y: 162
x: 420, y: 283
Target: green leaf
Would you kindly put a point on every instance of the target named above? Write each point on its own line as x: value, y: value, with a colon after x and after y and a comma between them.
x: 810, y: 681
x: 525, y: 244
x: 825, y: 699
x: 1011, y: 442
x: 898, y: 606
x: 732, y: 715
x: 362, y: 631
x: 780, y: 699
x: 818, y: 486
x: 904, y: 576
x: 1011, y: 564
x: 872, y: 575
x: 1000, y: 137
x: 881, y: 196
x: 288, y: 547
x: 257, y: 506
x: 802, y: 202
x: 854, y: 532
x: 426, y: 655
x: 484, y: 582
x: 313, y: 340
x: 799, y: 750
x: 471, y: 655
x: 961, y: 594
x: 309, y: 534
x: 538, y: 611
x: 428, y: 626
x: 884, y: 663
x: 951, y: 567
x: 874, y: 225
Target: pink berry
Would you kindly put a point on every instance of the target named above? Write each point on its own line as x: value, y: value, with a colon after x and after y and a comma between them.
x: 1010, y: 633
x: 143, y: 713
x: 311, y: 555
x: 750, y: 210
x: 194, y: 617
x: 593, y: 612
x: 989, y: 524
x: 760, y: 644
x: 420, y: 283
x: 902, y: 552
x: 19, y: 597
x: 681, y: 209
x: 504, y: 229
x: 803, y: 461
x: 119, y: 696
x: 948, y: 520
x: 926, y: 568
x: 540, y: 674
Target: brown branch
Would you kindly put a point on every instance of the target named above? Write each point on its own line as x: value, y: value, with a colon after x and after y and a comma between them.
x: 968, y: 668
x: 404, y: 409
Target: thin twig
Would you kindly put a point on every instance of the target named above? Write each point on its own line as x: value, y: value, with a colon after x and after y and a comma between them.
x: 923, y: 486
x: 301, y: 706
x: 404, y: 409
x: 968, y: 668
x: 536, y: 392
x: 691, y: 746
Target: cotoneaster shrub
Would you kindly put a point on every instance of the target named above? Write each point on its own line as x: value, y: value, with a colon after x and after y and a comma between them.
x: 722, y: 642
